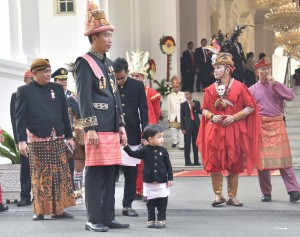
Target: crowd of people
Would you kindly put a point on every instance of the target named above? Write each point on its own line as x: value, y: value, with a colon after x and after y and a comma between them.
x: 196, y: 66
x: 112, y: 121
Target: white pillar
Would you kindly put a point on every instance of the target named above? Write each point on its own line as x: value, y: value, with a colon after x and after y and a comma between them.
x: 30, y: 29
x: 203, y: 22
x: 17, y: 53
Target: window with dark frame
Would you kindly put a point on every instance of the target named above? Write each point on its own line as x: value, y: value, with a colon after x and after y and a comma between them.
x: 65, y: 6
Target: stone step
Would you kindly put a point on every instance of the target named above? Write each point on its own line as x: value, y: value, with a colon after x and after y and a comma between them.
x: 293, y: 123
x: 293, y: 130
x: 291, y: 117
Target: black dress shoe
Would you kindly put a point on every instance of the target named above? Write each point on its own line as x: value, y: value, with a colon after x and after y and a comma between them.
x: 128, y: 211
x: 97, y: 227
x: 189, y: 164
x: 174, y: 145
x: 65, y: 215
x: 294, y: 196
x: 115, y: 225
x: 266, y: 198
x: 23, y: 202
x: 38, y: 217
x: 197, y: 164
x: 3, y: 208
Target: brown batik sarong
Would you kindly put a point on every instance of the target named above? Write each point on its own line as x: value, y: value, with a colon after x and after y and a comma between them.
x: 275, y: 149
x: 50, y: 176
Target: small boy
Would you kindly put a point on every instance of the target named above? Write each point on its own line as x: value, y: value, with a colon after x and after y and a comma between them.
x: 157, y: 174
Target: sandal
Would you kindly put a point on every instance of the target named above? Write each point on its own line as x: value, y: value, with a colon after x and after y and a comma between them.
x: 219, y: 199
x: 234, y: 202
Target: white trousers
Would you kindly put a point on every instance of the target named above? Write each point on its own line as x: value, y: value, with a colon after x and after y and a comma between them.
x: 177, y: 137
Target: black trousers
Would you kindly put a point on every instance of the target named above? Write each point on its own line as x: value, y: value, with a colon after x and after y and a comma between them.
x: 191, y: 136
x: 71, y: 165
x: 100, y: 193
x: 161, y: 205
x: 130, y: 173
x: 188, y: 80
x: 25, y: 179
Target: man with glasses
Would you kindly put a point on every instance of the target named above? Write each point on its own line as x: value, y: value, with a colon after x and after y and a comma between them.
x: 135, y: 111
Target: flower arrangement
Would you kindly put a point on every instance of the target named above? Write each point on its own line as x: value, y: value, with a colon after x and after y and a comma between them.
x: 151, y: 69
x: 168, y: 47
x: 164, y: 87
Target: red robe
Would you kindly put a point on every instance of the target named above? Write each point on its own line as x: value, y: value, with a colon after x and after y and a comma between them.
x: 153, y: 102
x: 227, y: 148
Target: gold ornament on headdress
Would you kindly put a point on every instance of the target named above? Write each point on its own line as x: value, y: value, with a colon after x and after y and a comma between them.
x: 138, y: 63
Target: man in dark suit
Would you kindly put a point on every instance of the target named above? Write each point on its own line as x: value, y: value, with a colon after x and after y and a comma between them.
x: 42, y: 121
x: 188, y: 67
x: 190, y: 122
x: 238, y: 60
x: 135, y: 111
x: 25, y: 168
x: 202, y: 66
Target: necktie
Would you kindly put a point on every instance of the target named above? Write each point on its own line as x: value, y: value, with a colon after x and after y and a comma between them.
x: 204, y: 54
x: 192, y: 56
x: 192, y: 114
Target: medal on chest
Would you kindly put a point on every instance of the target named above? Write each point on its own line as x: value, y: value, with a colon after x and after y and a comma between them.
x: 111, y: 81
x: 52, y: 94
x: 102, y: 83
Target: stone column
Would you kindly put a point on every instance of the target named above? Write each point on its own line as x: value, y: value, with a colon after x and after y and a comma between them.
x: 30, y: 28
x: 16, y: 40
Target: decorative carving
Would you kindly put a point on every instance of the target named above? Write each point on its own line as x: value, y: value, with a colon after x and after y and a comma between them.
x: 10, y: 181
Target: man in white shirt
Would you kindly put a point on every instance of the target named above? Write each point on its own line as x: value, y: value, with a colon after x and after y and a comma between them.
x: 174, y: 100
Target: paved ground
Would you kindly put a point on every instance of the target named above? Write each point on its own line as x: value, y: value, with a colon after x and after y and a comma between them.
x: 189, y: 213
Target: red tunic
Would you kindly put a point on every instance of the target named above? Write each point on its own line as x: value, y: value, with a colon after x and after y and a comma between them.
x: 227, y: 148
x: 153, y: 102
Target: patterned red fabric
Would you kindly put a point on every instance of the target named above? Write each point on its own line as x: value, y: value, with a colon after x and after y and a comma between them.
x: 153, y: 103
x: 139, y: 179
x: 226, y: 149
x: 108, y: 151
x: 275, y: 148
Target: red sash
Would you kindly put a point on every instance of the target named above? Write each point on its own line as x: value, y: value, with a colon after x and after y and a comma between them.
x: 108, y: 151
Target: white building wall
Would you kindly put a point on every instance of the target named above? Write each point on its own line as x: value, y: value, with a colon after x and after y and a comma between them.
x: 11, y: 77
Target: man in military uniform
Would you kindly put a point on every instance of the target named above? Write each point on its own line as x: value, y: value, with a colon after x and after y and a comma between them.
x: 103, y: 122
x: 135, y: 111
x: 60, y: 76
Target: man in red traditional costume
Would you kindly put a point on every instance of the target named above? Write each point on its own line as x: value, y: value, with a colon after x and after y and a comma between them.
x: 275, y: 149
x: 138, y: 65
x: 229, y: 130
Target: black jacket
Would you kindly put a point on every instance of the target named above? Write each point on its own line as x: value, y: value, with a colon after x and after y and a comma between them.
x: 157, y: 164
x: 13, y: 115
x: 100, y: 108
x: 185, y: 115
x: 187, y: 62
x: 135, y: 109
x: 39, y: 108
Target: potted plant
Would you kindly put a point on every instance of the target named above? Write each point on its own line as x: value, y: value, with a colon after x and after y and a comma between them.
x: 9, y: 173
